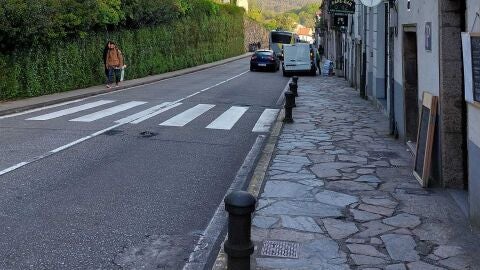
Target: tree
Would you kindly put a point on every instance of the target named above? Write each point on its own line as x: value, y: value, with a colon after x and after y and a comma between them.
x: 287, y: 21
x: 256, y: 14
x: 24, y: 23
x: 307, y: 19
x: 109, y: 12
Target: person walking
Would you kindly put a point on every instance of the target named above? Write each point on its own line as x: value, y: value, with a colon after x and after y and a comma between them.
x: 113, y: 59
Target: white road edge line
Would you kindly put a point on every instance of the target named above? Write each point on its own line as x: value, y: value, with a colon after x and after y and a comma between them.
x: 14, y: 167
x: 141, y: 115
x: 41, y: 109
x: 61, y: 148
x: 148, y: 116
x: 200, y: 256
x: 93, y: 135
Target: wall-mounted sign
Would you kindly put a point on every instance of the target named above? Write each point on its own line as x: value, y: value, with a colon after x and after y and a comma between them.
x: 475, y: 45
x: 340, y: 20
x: 471, y: 66
x: 428, y: 36
x: 341, y: 6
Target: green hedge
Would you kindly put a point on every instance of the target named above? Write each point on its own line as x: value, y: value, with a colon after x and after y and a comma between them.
x: 79, y: 64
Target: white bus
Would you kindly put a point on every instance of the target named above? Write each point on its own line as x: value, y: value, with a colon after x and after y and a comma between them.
x: 278, y: 38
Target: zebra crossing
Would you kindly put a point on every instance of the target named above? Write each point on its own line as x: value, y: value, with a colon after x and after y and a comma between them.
x: 187, y: 116
x: 225, y: 121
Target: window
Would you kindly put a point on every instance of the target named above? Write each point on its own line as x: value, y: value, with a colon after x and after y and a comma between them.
x: 281, y: 38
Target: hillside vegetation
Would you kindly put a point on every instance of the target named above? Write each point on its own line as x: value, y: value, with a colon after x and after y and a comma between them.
x: 304, y: 15
x: 280, y: 6
x: 49, y: 46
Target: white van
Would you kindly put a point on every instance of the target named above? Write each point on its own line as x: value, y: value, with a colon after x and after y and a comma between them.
x: 299, y: 57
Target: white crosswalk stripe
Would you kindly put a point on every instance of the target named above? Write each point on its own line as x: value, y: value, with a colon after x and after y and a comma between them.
x: 72, y: 110
x: 187, y: 116
x: 107, y: 112
x: 265, y: 121
x: 228, y: 119
x: 148, y: 113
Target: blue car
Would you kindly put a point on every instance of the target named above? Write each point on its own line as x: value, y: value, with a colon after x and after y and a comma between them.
x: 264, y: 60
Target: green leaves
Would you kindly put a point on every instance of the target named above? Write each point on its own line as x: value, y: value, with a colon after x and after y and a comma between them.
x: 109, y: 12
x: 26, y: 23
x: 78, y: 63
x: 285, y: 20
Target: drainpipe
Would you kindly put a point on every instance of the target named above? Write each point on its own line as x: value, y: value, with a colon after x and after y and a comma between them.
x: 387, y: 68
x: 393, y: 121
x: 363, y: 77
x: 466, y: 165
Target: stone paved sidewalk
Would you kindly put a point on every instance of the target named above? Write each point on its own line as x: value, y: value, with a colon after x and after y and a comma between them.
x: 341, y: 189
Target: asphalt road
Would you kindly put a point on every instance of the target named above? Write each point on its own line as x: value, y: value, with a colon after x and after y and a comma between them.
x: 79, y: 190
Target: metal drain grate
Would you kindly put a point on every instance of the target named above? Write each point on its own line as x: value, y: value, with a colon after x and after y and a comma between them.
x: 280, y: 249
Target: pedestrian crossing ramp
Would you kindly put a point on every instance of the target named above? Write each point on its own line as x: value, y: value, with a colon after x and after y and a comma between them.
x: 225, y: 121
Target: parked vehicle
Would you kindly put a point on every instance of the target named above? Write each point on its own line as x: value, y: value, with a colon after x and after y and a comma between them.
x: 299, y: 57
x: 316, y: 56
x: 280, y: 38
x: 264, y: 59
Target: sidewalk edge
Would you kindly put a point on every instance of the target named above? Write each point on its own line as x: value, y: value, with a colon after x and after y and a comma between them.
x: 103, y: 90
x: 257, y: 180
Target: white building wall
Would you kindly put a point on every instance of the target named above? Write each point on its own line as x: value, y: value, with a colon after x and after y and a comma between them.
x: 377, y: 18
x: 380, y: 61
x: 370, y: 51
x: 375, y: 49
x: 473, y: 11
x: 428, y: 64
x: 353, y: 39
x: 356, y: 20
x: 473, y: 115
x: 422, y: 11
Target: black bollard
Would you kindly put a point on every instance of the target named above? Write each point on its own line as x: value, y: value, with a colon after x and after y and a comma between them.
x: 295, y: 80
x: 294, y: 89
x: 240, y: 206
x: 289, y: 104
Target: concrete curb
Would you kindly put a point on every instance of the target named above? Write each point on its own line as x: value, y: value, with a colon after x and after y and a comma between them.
x: 16, y: 106
x: 257, y: 180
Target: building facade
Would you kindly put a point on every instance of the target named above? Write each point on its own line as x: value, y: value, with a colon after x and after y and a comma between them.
x: 399, y: 50
x: 472, y: 25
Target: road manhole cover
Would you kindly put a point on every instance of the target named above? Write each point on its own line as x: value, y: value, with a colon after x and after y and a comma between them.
x: 280, y: 249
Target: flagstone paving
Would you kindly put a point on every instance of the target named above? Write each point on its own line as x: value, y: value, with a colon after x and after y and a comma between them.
x: 342, y: 188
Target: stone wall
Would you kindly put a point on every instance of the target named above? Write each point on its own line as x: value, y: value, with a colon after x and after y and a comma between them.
x: 255, y: 32
x: 451, y: 111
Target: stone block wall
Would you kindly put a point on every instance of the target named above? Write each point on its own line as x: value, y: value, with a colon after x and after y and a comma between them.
x: 255, y: 32
x: 451, y: 111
